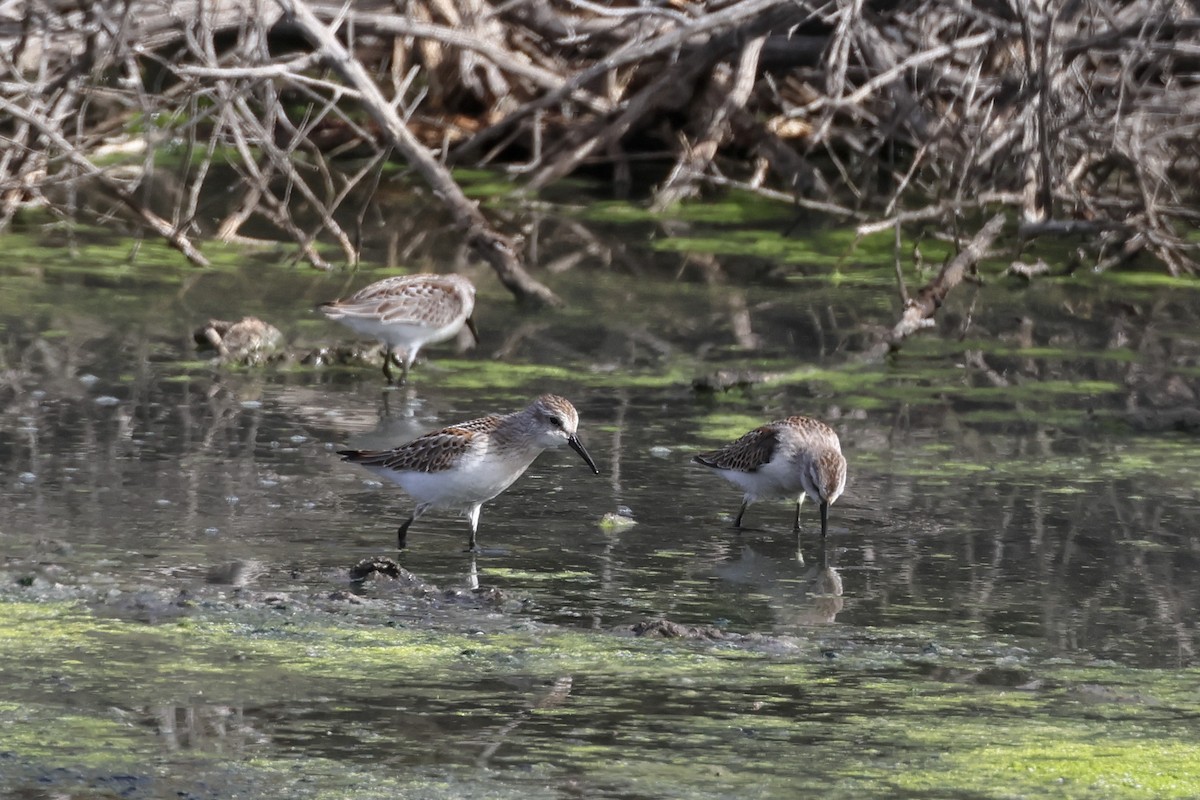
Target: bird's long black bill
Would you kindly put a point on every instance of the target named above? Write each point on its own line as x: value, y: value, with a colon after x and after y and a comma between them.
x: 577, y: 446
x: 824, y: 519
x: 471, y: 327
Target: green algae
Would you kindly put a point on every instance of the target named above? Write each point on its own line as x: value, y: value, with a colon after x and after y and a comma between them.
x: 466, y: 374
x: 526, y: 577
x: 862, y: 261
x: 98, y: 252
x: 499, y: 375
x: 494, y: 188
x: 719, y: 427
x: 873, y: 387
x: 615, y: 523
x: 736, y: 208
x: 738, y: 712
x: 928, y: 347
x: 1158, y: 458
x: 642, y: 718
x: 1032, y: 756
x: 754, y: 244
x: 105, y: 738
x: 1148, y: 280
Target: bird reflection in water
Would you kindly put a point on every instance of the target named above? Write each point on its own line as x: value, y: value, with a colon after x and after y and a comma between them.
x: 798, y: 593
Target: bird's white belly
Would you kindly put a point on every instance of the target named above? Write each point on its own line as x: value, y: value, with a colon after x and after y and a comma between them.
x: 398, y: 335
x: 475, y: 482
x: 777, y: 478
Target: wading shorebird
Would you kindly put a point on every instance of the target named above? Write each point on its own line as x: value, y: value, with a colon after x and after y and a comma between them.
x: 786, y: 458
x: 463, y: 466
x: 406, y: 312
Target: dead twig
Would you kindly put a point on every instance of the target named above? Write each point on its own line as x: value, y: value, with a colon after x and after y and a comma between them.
x: 494, y: 248
x: 919, y: 310
x: 162, y: 227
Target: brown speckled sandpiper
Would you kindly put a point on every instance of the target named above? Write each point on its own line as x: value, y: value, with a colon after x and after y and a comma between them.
x: 406, y: 312
x: 787, y: 458
x: 463, y: 466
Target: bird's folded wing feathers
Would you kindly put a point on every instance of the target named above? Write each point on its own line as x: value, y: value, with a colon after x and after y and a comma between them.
x: 747, y: 454
x: 433, y: 452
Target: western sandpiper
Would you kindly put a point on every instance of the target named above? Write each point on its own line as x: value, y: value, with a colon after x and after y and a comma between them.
x: 463, y: 466
x: 406, y: 312
x: 790, y: 457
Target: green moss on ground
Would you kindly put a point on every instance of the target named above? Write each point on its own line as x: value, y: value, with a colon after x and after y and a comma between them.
x: 612, y: 712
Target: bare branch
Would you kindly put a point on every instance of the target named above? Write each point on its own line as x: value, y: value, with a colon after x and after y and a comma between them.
x: 497, y: 250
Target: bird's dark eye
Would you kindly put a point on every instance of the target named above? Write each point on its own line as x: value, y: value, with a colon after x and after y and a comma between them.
x: 556, y: 422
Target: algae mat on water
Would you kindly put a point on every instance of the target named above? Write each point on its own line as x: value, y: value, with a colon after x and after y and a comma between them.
x: 282, y: 699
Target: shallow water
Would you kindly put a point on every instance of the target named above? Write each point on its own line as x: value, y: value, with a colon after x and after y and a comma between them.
x: 1019, y: 499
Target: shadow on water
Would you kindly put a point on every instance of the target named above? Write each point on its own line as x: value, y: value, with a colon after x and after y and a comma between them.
x: 1017, y: 542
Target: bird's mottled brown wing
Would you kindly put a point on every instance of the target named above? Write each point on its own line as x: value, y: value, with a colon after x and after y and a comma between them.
x: 812, y: 429
x: 747, y: 454
x: 433, y: 452
x: 430, y: 300
x: 482, y: 425
x: 434, y: 302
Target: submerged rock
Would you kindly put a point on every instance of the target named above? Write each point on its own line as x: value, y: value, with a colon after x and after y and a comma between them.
x: 353, y: 354
x: 383, y: 568
x: 666, y: 629
x: 239, y: 572
x: 249, y: 341
x: 619, y: 520
x: 1182, y: 420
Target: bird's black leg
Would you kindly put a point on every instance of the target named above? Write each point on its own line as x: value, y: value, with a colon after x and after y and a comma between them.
x: 796, y: 524
x: 387, y: 365
x: 737, y: 523
x: 402, y: 534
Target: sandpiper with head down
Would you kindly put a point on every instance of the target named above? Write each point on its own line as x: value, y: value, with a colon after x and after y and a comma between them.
x: 463, y: 466
x: 406, y: 312
x: 787, y: 458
